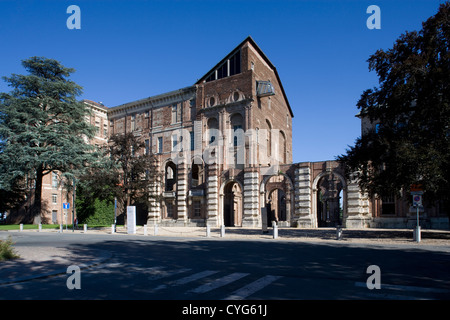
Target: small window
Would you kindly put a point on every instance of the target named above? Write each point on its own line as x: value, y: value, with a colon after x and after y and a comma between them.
x: 133, y: 122
x: 160, y: 145
x: 197, y: 208
x: 212, y: 101
x: 174, y: 114
x: 147, y: 146
x: 54, y: 198
x: 54, y: 180
x: 169, y: 206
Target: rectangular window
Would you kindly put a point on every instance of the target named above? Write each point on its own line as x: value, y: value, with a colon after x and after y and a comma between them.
x: 192, y: 141
x: 174, y: 141
x: 147, y: 146
x: 160, y: 144
x: 54, y: 180
x: 197, y: 209
x: 235, y: 63
x: 133, y: 122
x: 388, y: 205
x: 174, y: 114
x: 54, y: 198
x: 169, y: 206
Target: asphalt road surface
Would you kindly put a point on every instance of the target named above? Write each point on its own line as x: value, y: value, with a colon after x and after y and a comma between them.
x: 161, y: 268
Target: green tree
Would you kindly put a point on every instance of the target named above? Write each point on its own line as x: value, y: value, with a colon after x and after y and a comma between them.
x: 411, y: 143
x: 42, y: 127
x: 127, y: 174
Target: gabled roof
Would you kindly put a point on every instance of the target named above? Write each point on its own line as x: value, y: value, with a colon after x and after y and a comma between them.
x: 261, y: 53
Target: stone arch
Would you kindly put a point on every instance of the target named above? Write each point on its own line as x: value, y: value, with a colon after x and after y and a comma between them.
x: 287, y: 188
x: 326, y: 189
x: 231, y: 203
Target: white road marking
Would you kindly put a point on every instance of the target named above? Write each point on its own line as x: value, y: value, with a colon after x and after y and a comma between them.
x: 218, y: 283
x: 251, y: 288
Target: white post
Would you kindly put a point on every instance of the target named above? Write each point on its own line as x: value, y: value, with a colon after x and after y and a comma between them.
x: 156, y: 229
x: 61, y: 228
x: 85, y: 228
x: 418, y: 226
x: 275, y: 230
x: 21, y: 227
x: 112, y: 229
x: 145, y: 229
x: 131, y: 220
x: 222, y: 231
x: 40, y: 227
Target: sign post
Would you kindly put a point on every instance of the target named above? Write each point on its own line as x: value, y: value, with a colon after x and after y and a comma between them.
x: 417, y: 192
x: 66, y: 206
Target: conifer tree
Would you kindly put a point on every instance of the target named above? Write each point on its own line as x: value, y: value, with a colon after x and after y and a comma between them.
x: 43, y: 127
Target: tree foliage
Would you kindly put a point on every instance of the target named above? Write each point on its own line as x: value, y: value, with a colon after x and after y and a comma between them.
x: 411, y: 144
x: 126, y: 173
x: 42, y: 127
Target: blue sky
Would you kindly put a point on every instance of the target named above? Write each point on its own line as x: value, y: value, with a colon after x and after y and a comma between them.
x: 129, y: 50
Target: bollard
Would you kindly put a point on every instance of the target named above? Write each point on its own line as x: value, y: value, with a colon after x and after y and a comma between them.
x: 275, y: 231
x: 338, y: 233
x: 145, y: 230
x: 40, y: 227
x: 156, y: 230
x: 85, y: 228
x: 21, y: 227
x: 416, y: 234
x: 60, y: 228
x: 222, y: 231
x: 112, y: 229
x: 208, y: 231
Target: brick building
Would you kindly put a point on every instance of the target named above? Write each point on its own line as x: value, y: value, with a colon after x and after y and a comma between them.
x: 224, y: 151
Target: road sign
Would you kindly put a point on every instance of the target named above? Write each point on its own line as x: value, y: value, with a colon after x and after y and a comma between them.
x: 417, y: 200
x: 416, y: 187
x: 66, y: 205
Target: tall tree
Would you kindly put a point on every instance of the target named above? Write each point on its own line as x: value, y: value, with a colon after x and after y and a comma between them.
x: 42, y: 126
x: 411, y: 143
x: 127, y: 173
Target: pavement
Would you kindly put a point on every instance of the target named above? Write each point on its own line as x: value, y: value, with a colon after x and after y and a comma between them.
x: 37, y: 262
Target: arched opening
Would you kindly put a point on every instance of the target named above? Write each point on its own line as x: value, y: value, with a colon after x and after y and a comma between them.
x: 232, y: 204
x: 329, y: 201
x: 170, y: 176
x: 276, y: 206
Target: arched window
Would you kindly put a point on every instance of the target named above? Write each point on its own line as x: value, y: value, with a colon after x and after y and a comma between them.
x: 213, y: 127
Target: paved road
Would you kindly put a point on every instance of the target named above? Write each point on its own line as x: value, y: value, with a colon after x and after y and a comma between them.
x: 137, y: 267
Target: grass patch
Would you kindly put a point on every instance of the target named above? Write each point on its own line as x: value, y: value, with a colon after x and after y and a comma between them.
x: 6, y: 250
x: 28, y: 226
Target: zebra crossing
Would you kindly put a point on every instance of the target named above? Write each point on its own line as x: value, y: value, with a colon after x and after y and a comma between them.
x: 191, y: 283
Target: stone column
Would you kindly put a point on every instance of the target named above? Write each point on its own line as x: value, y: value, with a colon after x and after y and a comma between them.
x: 303, y: 214
x: 182, y: 190
x: 358, y: 215
x: 212, y: 196
x: 251, y: 216
x: 154, y: 214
